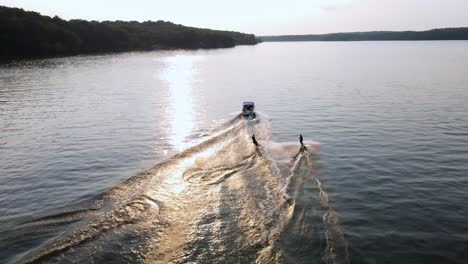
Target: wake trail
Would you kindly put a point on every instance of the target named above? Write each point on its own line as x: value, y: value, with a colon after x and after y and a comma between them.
x: 307, y: 209
x: 221, y: 200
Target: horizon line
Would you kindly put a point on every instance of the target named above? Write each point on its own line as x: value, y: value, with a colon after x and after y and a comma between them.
x: 354, y: 32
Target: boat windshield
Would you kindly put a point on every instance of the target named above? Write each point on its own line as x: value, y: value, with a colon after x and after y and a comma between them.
x: 248, y: 107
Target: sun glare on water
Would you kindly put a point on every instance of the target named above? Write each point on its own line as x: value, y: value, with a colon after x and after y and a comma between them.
x: 179, y: 75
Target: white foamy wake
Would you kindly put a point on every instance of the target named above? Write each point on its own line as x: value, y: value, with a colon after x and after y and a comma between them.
x: 221, y: 200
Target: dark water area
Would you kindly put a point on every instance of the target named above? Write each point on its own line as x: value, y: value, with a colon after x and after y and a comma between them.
x: 141, y: 157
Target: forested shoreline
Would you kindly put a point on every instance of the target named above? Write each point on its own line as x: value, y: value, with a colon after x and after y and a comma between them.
x: 26, y: 34
x: 433, y: 34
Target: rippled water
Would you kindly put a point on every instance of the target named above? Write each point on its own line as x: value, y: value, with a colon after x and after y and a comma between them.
x: 387, y: 186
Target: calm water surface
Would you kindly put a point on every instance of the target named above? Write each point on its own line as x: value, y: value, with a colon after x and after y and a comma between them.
x: 391, y: 118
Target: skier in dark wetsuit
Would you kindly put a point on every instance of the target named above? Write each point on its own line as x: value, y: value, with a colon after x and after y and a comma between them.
x: 254, y: 141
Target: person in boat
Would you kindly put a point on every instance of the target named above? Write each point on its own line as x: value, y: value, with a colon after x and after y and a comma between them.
x: 254, y: 140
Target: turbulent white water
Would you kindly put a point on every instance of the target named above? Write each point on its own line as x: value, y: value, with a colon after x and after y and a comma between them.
x: 220, y: 201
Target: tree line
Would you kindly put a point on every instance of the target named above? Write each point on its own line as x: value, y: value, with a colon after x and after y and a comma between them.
x: 434, y: 34
x: 25, y: 34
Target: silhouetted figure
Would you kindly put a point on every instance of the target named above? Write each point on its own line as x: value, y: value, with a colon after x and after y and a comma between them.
x: 300, y: 140
x: 254, y: 141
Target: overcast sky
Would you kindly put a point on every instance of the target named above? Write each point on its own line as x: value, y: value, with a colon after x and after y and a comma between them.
x: 266, y: 17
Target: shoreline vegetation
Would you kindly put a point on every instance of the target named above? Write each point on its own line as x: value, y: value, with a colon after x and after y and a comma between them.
x: 27, y: 34
x: 460, y: 33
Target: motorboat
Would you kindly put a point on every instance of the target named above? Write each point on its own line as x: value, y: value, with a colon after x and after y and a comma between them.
x: 248, y: 109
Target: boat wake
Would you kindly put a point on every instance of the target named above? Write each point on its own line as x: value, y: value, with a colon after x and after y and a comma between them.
x: 220, y: 201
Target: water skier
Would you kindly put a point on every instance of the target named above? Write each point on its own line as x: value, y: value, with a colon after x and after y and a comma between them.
x: 303, y: 148
x: 254, y: 141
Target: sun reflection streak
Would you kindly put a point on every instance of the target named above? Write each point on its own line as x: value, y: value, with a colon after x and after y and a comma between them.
x: 179, y: 74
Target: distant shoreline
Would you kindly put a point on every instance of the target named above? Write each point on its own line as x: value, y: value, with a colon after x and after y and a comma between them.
x: 428, y: 35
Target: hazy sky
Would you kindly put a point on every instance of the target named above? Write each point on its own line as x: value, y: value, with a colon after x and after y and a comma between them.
x: 267, y: 17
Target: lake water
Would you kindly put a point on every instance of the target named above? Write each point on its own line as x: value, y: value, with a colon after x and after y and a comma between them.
x: 389, y: 184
